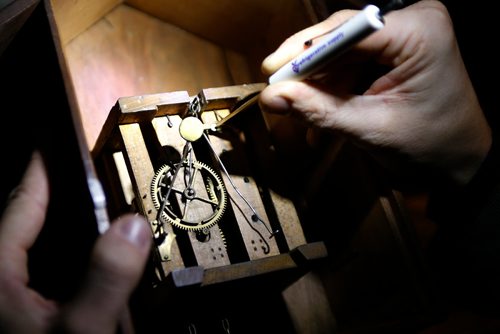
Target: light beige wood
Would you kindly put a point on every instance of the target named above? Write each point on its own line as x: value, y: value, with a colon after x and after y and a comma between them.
x: 211, y: 253
x: 170, y: 103
x: 142, y: 172
x: 226, y: 97
x: 169, y: 135
x: 241, y: 25
x: 289, y: 219
x: 140, y: 108
x: 128, y: 53
x: 74, y: 17
x: 123, y: 175
x: 245, y: 196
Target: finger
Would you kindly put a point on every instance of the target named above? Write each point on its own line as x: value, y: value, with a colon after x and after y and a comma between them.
x: 117, y: 264
x: 390, y: 46
x: 357, y: 116
x: 294, y: 45
x: 23, y: 218
x: 367, y: 115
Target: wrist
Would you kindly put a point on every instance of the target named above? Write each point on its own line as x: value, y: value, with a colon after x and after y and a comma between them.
x: 471, y: 162
x: 463, y: 200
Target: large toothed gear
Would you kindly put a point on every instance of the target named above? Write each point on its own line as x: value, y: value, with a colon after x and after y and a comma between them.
x: 196, y: 200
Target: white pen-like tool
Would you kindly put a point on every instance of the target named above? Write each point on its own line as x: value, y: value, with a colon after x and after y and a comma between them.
x: 334, y: 43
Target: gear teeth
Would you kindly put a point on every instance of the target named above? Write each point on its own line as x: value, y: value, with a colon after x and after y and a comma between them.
x: 215, y: 190
x: 222, y: 236
x: 154, y: 185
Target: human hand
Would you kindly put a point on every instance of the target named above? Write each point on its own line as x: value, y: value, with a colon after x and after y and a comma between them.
x: 420, y: 112
x: 109, y: 283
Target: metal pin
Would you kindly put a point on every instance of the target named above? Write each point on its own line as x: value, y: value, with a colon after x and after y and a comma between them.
x: 225, y: 325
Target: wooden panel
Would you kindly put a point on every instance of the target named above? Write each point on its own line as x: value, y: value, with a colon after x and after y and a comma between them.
x: 124, y: 177
x: 308, y: 306
x: 314, y: 251
x: 129, y: 53
x: 211, y: 253
x: 249, y: 269
x: 73, y: 17
x: 254, y: 28
x: 239, y: 25
x: 255, y: 234
x: 139, y: 108
x: 171, y: 103
x: 289, y: 219
x: 136, y: 155
x: 239, y: 68
x: 225, y: 97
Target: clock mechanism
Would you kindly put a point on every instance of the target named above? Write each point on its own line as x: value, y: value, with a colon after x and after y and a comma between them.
x: 198, y: 168
x: 198, y: 191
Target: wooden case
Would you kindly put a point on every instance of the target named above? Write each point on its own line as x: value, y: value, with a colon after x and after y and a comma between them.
x: 351, y: 264
x: 113, y: 49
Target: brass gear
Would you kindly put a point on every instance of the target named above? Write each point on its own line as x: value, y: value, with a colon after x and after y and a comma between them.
x: 198, y: 193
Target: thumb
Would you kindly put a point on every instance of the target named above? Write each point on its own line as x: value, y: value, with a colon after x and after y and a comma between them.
x: 117, y: 264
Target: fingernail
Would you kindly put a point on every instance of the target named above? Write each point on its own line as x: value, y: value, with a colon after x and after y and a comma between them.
x: 135, y: 230
x: 268, y: 65
x: 268, y: 59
